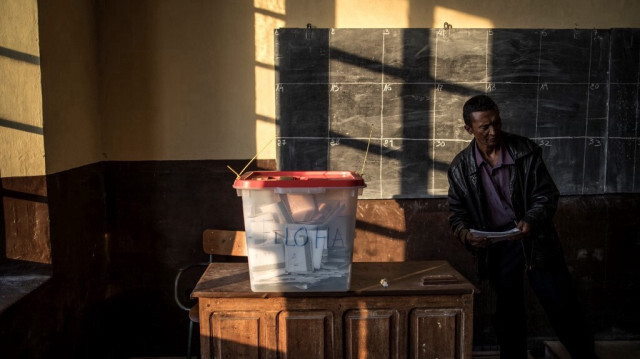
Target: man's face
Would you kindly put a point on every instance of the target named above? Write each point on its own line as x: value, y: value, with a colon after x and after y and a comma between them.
x: 485, y: 127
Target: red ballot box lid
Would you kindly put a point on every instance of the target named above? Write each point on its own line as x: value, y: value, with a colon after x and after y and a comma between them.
x: 299, y: 179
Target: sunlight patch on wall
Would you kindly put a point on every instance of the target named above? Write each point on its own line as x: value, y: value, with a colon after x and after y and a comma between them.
x: 458, y: 19
x: 268, y: 16
x: 21, y: 139
x: 371, y: 14
x: 275, y: 6
x: 19, y: 26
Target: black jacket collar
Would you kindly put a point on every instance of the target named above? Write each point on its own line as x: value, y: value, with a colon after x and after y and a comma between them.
x: 513, y: 143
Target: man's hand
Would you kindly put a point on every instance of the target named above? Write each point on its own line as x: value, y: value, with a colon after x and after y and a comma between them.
x: 477, y: 242
x: 525, y: 230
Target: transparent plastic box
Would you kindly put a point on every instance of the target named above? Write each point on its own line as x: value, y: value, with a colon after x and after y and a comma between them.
x: 300, y: 228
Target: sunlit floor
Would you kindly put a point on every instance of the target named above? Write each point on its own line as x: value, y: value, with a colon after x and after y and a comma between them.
x: 19, y: 278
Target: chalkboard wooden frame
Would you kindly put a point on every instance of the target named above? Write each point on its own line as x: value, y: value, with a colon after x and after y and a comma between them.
x: 399, y: 93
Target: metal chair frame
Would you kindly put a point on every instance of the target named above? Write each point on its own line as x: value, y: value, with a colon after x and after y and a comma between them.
x: 214, y: 242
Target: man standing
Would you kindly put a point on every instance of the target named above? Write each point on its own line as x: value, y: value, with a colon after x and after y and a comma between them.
x: 499, y: 182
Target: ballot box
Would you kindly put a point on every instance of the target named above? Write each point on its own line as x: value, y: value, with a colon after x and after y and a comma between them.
x: 300, y: 228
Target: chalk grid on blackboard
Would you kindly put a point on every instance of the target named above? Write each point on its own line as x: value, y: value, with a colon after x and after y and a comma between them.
x: 574, y: 92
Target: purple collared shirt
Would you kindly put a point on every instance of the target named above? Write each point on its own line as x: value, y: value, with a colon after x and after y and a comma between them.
x: 495, y: 183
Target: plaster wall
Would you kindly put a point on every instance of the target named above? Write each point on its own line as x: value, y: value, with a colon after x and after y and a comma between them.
x: 178, y: 79
x: 170, y: 80
x: 70, y: 83
x: 195, y: 80
x: 21, y: 139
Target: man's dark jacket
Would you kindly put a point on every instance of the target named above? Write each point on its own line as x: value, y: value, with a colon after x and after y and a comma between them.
x: 534, y: 196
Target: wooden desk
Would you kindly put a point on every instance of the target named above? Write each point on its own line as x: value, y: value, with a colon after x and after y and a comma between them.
x: 426, y: 311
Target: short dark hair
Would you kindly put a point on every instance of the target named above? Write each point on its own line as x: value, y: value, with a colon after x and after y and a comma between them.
x: 477, y: 103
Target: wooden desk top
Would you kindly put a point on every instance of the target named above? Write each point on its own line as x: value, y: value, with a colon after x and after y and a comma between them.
x: 229, y: 280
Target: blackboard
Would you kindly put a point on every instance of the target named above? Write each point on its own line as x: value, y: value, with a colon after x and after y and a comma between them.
x: 573, y: 91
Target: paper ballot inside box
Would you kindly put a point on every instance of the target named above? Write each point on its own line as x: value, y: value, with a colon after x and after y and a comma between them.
x: 266, y: 260
x: 304, y: 246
